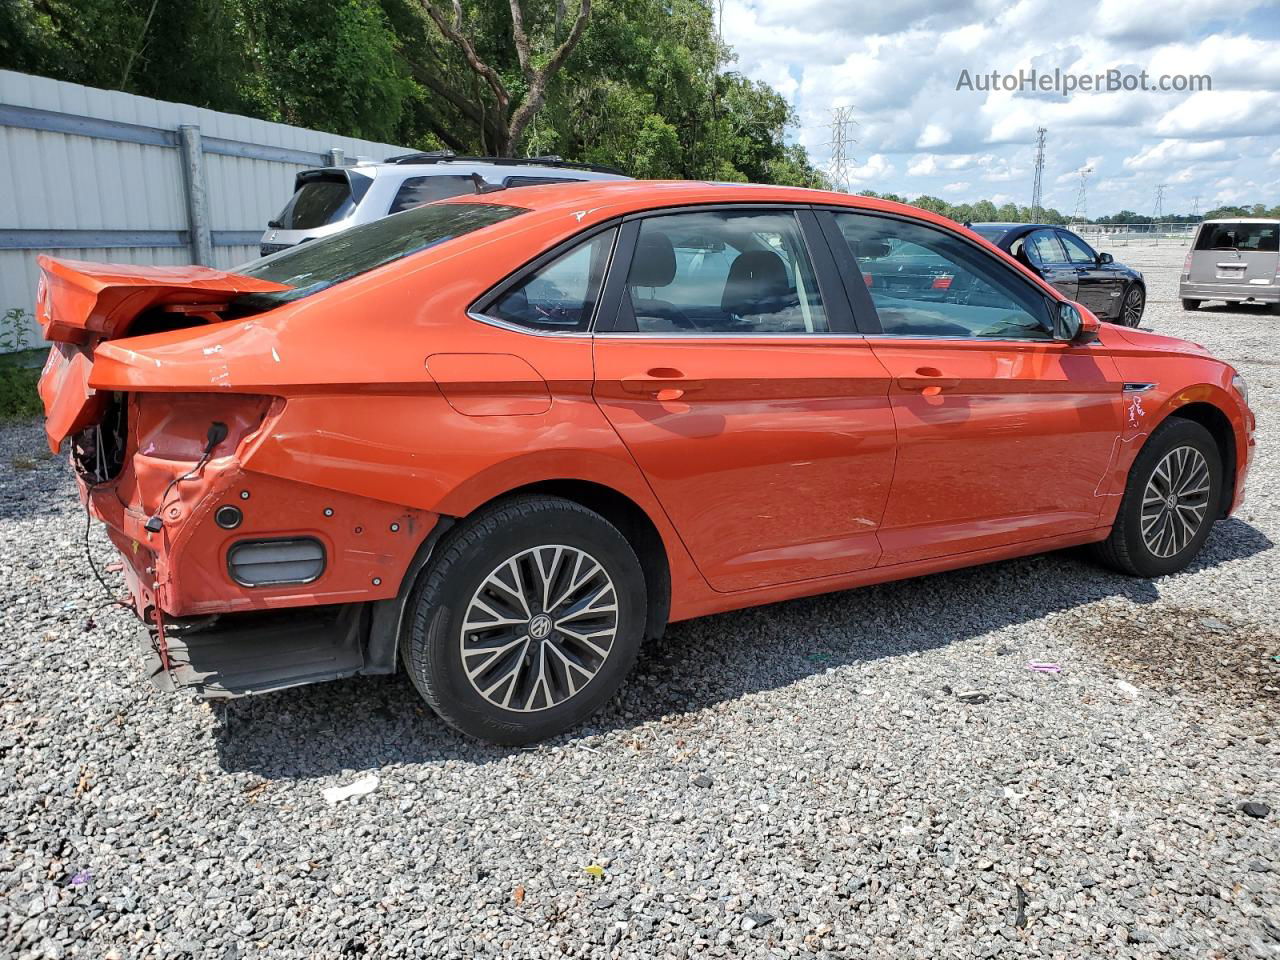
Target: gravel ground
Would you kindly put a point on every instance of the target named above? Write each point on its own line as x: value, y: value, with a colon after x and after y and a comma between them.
x: 869, y: 774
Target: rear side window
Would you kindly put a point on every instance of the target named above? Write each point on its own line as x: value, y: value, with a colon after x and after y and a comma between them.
x: 1043, y: 247
x: 319, y: 264
x: 416, y: 191
x: 316, y: 203
x: 736, y: 273
x: 560, y: 296
x: 1245, y: 237
x: 926, y: 282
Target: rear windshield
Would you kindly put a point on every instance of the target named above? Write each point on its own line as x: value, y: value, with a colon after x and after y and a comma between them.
x: 316, y: 265
x: 316, y: 203
x: 1255, y: 237
x: 988, y: 232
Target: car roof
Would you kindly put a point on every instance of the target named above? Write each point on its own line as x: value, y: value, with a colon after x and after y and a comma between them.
x: 1243, y: 220
x: 595, y: 200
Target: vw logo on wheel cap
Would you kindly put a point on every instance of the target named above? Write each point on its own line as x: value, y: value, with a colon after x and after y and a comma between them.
x: 540, y: 627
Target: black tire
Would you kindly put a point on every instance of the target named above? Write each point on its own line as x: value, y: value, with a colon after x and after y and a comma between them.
x: 1126, y: 549
x: 1132, y: 305
x: 1190, y: 304
x: 529, y: 528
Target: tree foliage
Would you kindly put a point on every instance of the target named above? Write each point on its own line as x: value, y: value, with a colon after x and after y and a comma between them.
x: 643, y: 85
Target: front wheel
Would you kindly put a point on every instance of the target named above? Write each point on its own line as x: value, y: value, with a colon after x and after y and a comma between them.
x: 527, y: 621
x: 1135, y: 301
x: 1170, y: 502
x: 1190, y: 304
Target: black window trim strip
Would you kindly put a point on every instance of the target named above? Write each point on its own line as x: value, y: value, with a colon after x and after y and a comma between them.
x: 481, y: 305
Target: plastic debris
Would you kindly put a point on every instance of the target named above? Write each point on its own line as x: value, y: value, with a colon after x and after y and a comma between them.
x: 365, y: 785
x: 1039, y: 667
x: 595, y: 870
x: 1127, y: 687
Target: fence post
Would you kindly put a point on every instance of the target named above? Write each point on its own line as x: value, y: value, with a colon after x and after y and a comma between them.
x: 335, y: 157
x: 197, y: 191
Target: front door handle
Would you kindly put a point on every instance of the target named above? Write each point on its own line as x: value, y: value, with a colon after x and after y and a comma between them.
x: 929, y: 381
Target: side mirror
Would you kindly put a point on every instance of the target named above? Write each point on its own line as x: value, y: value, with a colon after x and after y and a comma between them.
x: 1073, y: 325
x: 1105, y: 258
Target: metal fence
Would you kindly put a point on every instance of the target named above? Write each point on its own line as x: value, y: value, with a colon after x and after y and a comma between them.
x: 1151, y: 234
x: 100, y: 175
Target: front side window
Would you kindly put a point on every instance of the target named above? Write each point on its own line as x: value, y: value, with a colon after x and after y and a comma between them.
x: 416, y: 191
x: 319, y: 264
x: 1077, y: 250
x: 926, y: 282
x: 722, y: 272
x: 559, y: 297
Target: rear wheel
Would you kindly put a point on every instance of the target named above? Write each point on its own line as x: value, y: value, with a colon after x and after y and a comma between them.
x: 1170, y: 502
x: 1190, y: 304
x: 1135, y: 301
x: 527, y: 622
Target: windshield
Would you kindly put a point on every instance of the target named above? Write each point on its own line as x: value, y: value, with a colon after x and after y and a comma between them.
x: 319, y: 264
x: 1255, y: 237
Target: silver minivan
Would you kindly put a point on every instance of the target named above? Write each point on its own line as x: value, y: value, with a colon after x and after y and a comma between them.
x: 328, y: 200
x: 1233, y: 260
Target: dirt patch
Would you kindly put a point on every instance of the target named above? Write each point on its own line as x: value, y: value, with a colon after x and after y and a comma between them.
x: 1187, y: 651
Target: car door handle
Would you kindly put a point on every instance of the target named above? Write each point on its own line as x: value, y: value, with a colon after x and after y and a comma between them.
x: 661, y: 383
x: 929, y: 381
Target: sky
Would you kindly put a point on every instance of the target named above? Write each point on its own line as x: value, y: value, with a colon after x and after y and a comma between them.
x: 897, y: 66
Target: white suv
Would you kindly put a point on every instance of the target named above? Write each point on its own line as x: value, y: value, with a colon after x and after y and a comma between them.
x: 330, y: 199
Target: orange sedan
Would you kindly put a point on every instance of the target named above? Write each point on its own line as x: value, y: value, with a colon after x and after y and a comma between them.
x: 503, y: 439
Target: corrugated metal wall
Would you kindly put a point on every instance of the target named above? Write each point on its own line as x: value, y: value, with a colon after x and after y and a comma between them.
x: 59, y: 172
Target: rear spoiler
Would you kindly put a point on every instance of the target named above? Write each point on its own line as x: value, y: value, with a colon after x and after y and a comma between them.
x: 83, y: 303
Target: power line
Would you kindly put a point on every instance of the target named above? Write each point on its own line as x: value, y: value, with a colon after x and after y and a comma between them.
x: 1037, y: 186
x: 1081, y: 212
x: 841, y: 118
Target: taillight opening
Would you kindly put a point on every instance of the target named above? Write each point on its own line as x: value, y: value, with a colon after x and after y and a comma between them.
x: 98, y: 452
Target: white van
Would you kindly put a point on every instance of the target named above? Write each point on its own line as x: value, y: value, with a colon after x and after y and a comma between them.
x: 1233, y: 260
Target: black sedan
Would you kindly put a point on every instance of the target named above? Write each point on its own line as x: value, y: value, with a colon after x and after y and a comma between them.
x: 1111, y: 290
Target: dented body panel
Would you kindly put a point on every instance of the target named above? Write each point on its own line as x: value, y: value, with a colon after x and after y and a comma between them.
x: 366, y: 417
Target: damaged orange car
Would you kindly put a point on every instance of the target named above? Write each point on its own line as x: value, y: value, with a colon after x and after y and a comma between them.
x: 502, y: 439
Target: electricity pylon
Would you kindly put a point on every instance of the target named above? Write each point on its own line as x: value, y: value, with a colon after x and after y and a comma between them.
x: 1037, y: 185
x: 1081, y: 212
x: 1158, y: 212
x: 841, y: 117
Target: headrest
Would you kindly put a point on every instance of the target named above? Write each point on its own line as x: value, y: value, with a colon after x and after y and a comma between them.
x: 757, y: 277
x: 654, y: 264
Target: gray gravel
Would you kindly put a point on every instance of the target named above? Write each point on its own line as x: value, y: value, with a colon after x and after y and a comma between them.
x: 869, y: 774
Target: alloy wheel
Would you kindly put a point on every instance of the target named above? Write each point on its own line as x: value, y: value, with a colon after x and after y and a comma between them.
x: 1131, y: 312
x: 1175, y: 501
x: 539, y: 628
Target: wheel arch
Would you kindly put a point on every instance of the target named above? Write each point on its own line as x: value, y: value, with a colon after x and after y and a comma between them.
x: 633, y: 522
x: 1214, y: 419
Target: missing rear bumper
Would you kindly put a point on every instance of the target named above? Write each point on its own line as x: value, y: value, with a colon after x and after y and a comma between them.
x: 235, y: 655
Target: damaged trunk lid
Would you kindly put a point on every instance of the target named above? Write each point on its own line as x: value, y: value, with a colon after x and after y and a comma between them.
x: 79, y: 305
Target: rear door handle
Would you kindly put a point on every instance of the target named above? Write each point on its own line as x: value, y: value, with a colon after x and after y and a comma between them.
x: 661, y: 383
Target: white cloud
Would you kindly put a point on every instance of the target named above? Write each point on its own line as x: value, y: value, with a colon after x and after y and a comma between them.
x: 897, y: 66
x: 877, y: 167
